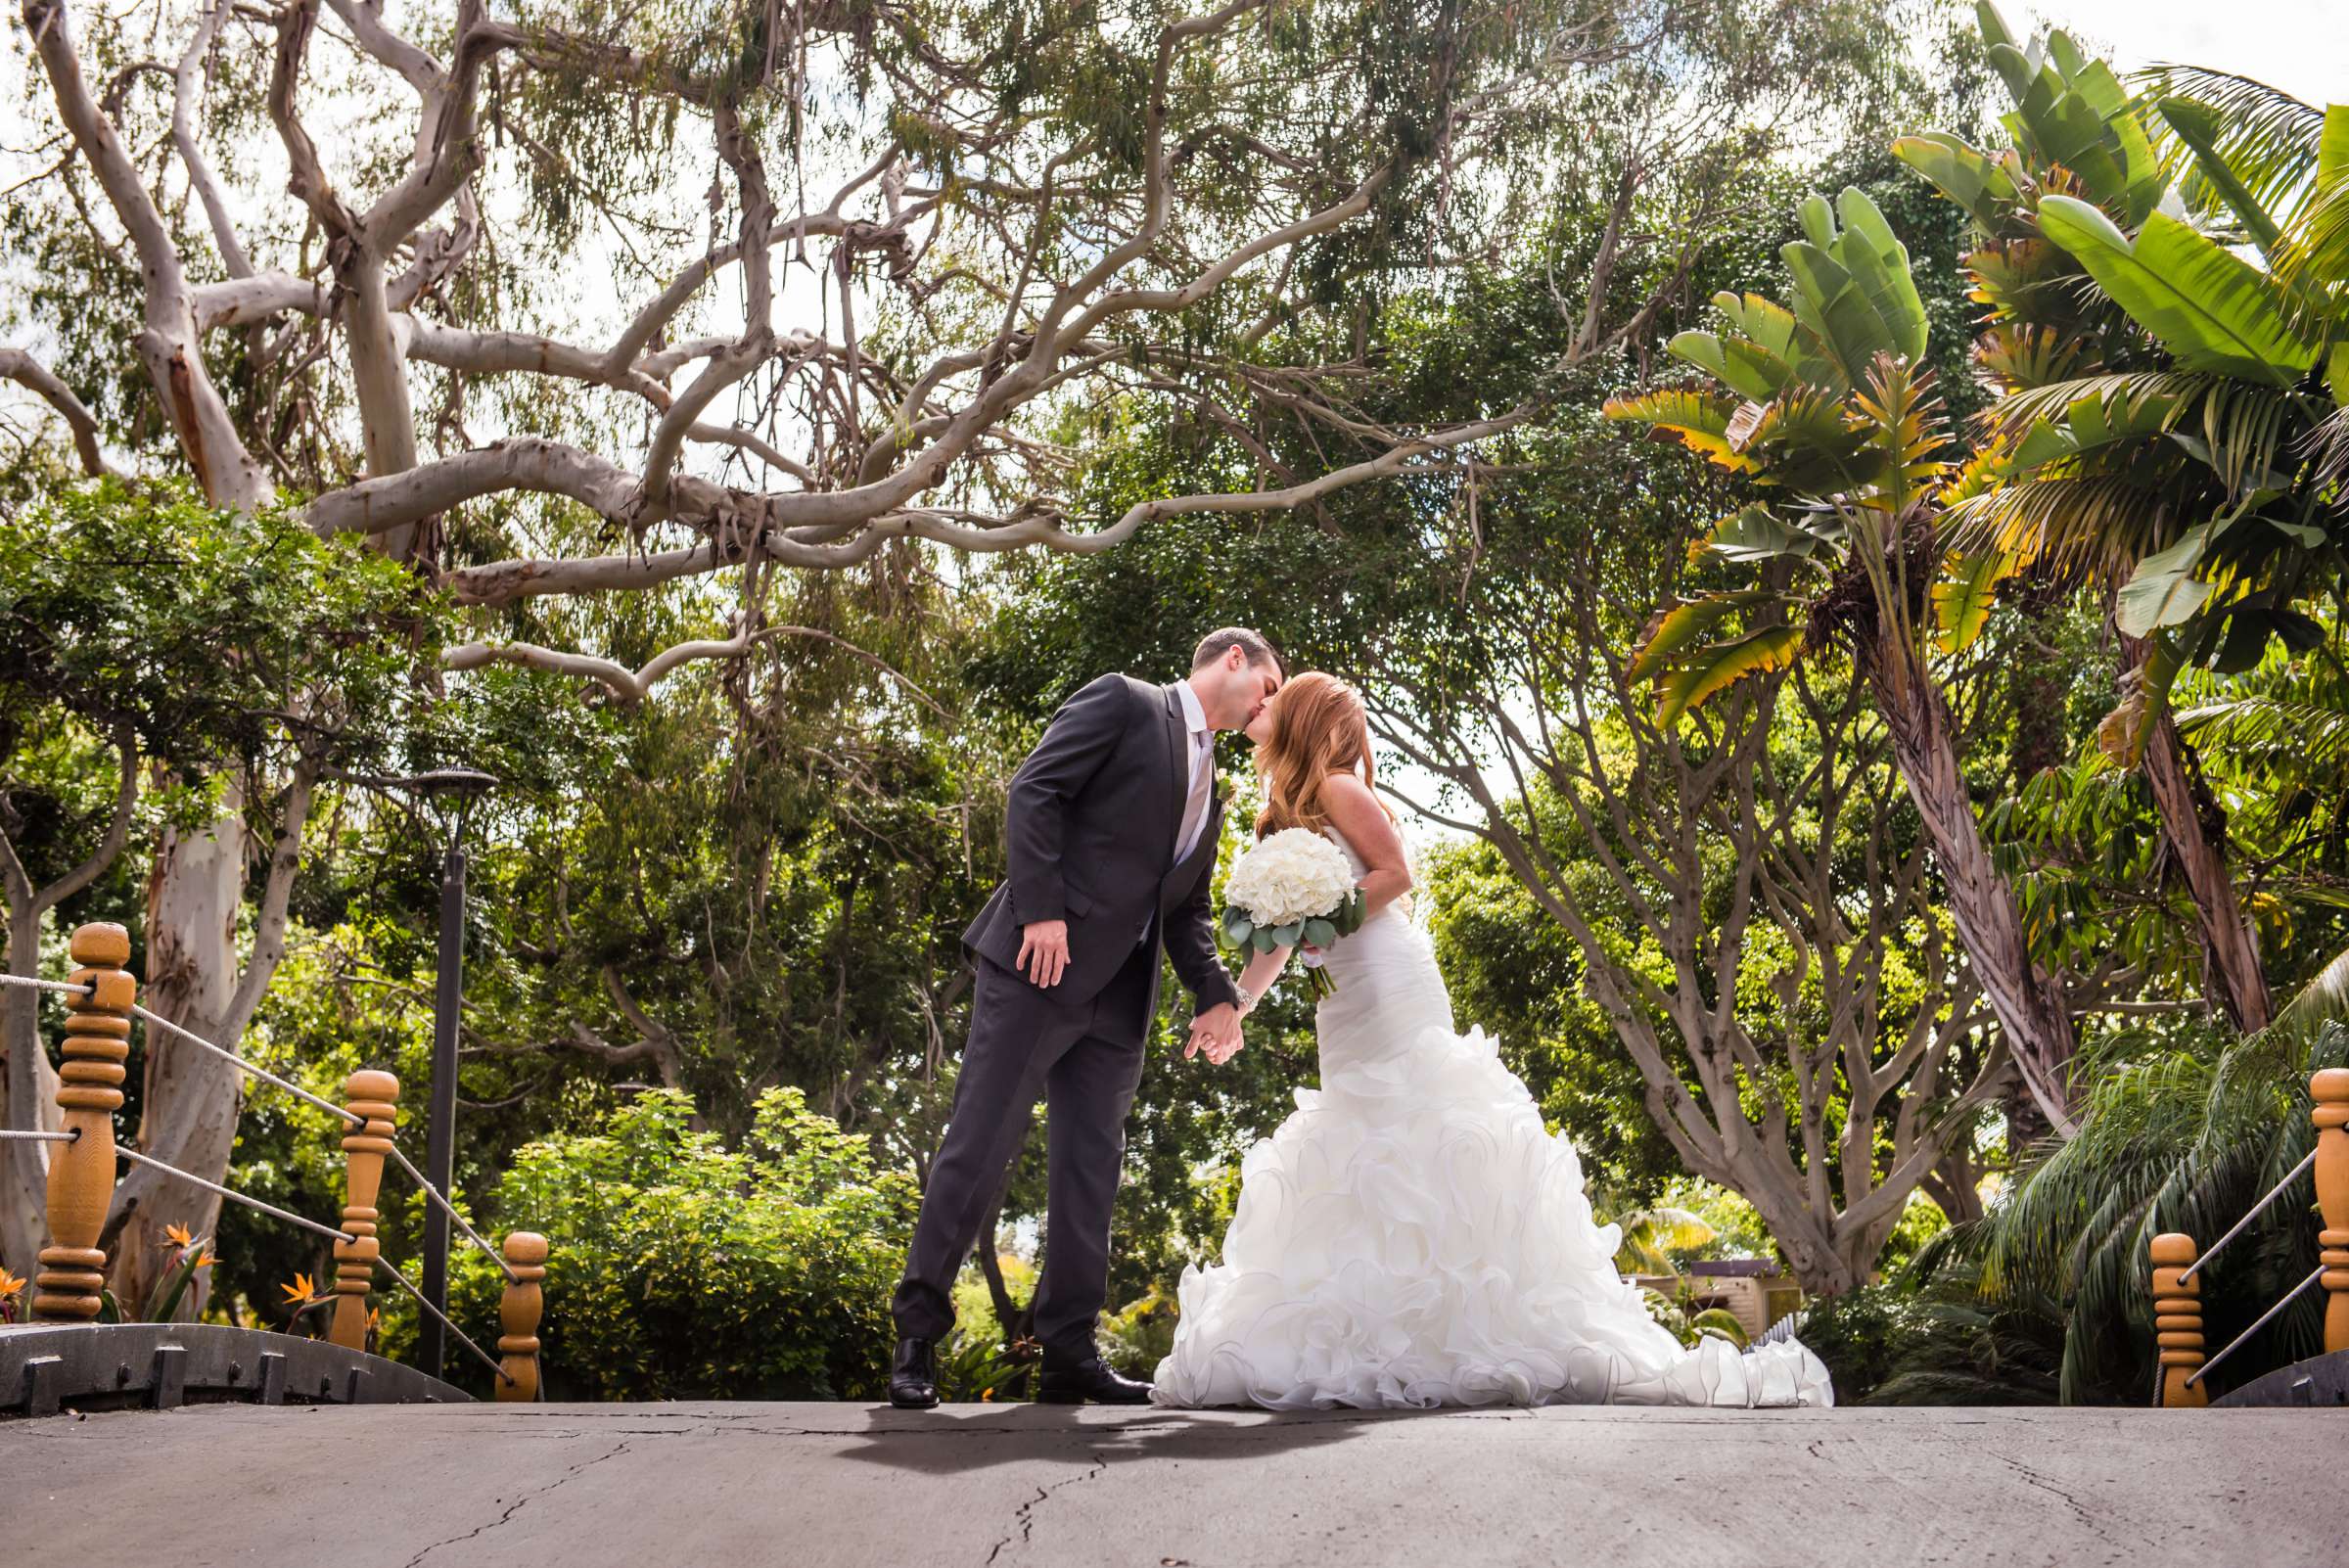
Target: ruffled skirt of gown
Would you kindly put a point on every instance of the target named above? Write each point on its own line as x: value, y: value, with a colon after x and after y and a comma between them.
x: 1413, y: 1237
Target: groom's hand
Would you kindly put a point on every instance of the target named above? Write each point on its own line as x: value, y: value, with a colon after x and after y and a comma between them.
x: 1215, y: 1031
x: 1047, y: 941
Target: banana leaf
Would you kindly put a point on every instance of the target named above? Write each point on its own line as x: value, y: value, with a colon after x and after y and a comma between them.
x: 1716, y: 667
x: 2211, y: 308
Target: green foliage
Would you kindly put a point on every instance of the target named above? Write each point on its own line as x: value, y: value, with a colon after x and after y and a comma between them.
x: 1935, y: 1339
x: 684, y: 1269
x: 2181, y: 1131
x: 1690, y: 1324
x: 133, y: 615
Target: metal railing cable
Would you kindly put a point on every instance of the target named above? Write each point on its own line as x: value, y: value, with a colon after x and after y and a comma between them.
x: 232, y: 1194
x: 450, y: 1209
x: 2289, y: 1297
x: 393, y: 1268
x: 265, y: 1076
x: 262, y: 1073
x: 432, y: 1192
x: 30, y: 983
x: 2236, y: 1229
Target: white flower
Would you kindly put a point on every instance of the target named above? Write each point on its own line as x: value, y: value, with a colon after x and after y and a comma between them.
x: 1294, y: 875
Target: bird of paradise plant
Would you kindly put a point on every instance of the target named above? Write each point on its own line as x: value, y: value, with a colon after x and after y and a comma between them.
x: 12, y: 1290
x: 1820, y: 407
x: 2166, y: 284
x: 302, y: 1298
x: 191, y: 1253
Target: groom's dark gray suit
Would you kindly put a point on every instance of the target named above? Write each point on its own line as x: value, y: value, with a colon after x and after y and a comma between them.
x: 1090, y: 835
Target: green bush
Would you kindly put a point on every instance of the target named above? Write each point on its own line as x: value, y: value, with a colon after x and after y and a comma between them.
x: 684, y: 1270
x: 1936, y: 1336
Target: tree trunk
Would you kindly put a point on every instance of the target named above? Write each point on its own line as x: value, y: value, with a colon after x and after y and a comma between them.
x: 2196, y: 827
x: 2028, y: 1002
x: 1815, y: 1255
x: 190, y: 1097
x: 1955, y: 1186
x: 27, y: 1101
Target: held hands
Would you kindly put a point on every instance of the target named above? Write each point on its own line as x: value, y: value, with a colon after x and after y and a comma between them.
x: 1047, y: 941
x: 1215, y: 1032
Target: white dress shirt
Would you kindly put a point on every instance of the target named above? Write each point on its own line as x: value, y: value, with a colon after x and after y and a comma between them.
x: 1201, y: 784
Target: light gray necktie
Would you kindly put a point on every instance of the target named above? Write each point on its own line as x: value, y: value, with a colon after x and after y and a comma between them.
x: 1195, y: 808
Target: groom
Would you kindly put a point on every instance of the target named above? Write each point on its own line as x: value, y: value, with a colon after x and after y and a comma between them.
x: 1111, y: 835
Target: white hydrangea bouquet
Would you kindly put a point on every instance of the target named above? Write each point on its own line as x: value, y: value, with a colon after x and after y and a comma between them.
x: 1292, y: 888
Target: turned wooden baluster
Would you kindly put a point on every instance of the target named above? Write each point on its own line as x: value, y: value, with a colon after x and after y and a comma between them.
x: 2331, y: 1091
x: 2178, y: 1321
x: 89, y: 1090
x: 374, y: 1095
x: 518, y: 1313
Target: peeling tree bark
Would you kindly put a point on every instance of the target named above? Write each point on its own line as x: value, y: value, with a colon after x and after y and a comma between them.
x: 2029, y: 1002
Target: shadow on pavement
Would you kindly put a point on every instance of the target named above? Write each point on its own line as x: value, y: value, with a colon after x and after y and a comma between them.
x: 949, y: 1441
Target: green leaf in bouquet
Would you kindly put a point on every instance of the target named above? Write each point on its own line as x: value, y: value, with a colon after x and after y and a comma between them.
x: 1263, y: 940
x: 1321, y: 932
x: 1286, y: 935
x: 1237, y: 929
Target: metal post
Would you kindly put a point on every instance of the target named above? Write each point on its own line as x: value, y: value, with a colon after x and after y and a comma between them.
x: 440, y: 1110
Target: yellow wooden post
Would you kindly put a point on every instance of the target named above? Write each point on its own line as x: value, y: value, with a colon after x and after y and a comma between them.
x: 518, y: 1313
x: 2178, y: 1321
x: 375, y: 1095
x: 89, y: 1090
x: 2331, y: 1091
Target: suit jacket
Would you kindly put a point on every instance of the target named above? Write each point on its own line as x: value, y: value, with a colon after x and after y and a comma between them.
x: 1090, y: 835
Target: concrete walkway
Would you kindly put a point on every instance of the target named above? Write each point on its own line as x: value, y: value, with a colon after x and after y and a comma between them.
x: 810, y: 1486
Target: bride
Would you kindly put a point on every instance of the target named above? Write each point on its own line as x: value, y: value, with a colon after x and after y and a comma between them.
x: 1413, y: 1235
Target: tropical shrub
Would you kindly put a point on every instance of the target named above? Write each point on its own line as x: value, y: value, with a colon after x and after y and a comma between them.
x: 1933, y: 1336
x: 684, y: 1269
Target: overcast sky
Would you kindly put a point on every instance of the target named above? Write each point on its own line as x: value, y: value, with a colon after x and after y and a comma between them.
x: 2301, y: 46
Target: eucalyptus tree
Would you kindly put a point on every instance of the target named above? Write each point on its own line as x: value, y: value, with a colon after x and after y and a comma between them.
x: 569, y: 297
x: 147, y: 640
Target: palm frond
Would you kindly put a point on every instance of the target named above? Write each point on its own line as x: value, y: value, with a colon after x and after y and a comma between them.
x: 2269, y: 136
x: 2099, y: 526
x: 2267, y: 730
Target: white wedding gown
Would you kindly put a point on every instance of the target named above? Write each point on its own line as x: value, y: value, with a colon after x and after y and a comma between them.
x: 1413, y: 1237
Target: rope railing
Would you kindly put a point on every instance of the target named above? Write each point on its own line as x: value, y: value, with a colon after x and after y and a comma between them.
x: 256, y: 1070
x: 234, y: 1196
x: 82, y: 1172
x: 449, y: 1209
x: 2176, y: 1266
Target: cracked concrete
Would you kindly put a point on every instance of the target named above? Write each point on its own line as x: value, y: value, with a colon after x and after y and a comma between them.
x: 1016, y: 1486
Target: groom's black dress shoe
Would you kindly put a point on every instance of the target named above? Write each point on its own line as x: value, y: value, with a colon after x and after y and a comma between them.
x: 913, y: 1381
x: 1074, y: 1381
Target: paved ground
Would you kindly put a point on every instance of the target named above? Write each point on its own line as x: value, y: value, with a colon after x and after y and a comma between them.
x: 810, y: 1486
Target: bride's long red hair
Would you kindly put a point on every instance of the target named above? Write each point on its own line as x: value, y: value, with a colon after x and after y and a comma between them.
x: 1318, y: 728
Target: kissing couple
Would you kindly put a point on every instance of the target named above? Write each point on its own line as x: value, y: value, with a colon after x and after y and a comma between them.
x: 1413, y: 1235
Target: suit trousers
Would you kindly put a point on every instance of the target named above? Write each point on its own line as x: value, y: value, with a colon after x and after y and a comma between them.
x: 1085, y: 1060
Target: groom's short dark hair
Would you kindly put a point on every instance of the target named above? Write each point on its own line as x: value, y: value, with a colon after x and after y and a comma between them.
x: 1216, y: 644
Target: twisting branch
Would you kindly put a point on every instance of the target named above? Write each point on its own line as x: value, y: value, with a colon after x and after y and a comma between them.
x: 21, y: 368
x: 633, y: 686
x: 630, y: 686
